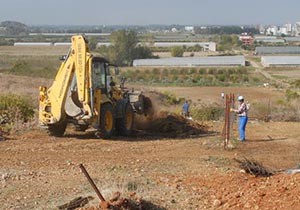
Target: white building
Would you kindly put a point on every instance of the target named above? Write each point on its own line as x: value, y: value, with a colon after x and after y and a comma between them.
x: 193, y: 61
x: 207, y: 46
x: 46, y: 44
x: 268, y: 61
x: 174, y: 30
x: 272, y: 31
x: 289, y: 27
x: 189, y: 28
x: 62, y: 44
x: 283, y: 31
x: 297, y: 29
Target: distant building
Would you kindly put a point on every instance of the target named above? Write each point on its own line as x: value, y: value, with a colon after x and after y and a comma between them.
x: 284, y: 50
x: 268, y: 61
x: 62, y: 44
x: 174, y: 30
x: 246, y: 39
x: 292, y: 39
x: 207, y: 46
x: 193, y: 61
x: 269, y: 39
x: 68, y: 34
x: 189, y: 28
x: 99, y: 44
x: 289, y: 27
x: 283, y: 31
x: 297, y: 29
x: 272, y: 31
x: 46, y: 44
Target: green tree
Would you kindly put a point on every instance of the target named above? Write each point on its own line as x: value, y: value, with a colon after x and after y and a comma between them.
x: 123, y: 43
x: 125, y: 48
x: 177, y: 51
x: 92, y: 43
x: 142, y: 52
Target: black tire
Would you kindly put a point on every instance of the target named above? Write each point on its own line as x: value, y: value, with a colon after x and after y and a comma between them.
x: 57, y: 130
x: 125, y: 124
x: 107, y: 122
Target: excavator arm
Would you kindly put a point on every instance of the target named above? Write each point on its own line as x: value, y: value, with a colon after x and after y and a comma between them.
x: 76, y: 65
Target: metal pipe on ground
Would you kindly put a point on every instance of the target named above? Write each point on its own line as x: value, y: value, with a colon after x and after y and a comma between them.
x: 103, y: 204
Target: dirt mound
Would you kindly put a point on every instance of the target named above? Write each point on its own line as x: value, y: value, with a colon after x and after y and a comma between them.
x: 170, y: 125
x: 130, y: 202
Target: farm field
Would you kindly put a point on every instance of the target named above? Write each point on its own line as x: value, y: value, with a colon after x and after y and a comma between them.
x: 167, y: 171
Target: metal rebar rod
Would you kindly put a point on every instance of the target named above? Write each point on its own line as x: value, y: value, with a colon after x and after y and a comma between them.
x: 91, y: 182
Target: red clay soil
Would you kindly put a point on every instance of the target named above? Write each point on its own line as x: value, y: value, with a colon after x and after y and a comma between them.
x: 243, y: 191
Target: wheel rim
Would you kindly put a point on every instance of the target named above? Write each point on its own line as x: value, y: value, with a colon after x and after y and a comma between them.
x: 108, y: 121
x: 129, y: 119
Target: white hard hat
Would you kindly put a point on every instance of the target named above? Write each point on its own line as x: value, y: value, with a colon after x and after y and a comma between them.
x: 240, y: 98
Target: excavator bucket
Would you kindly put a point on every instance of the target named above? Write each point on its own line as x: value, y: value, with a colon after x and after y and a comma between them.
x: 141, y: 104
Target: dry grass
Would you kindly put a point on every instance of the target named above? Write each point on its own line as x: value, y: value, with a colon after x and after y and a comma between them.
x: 33, y: 50
x: 24, y: 86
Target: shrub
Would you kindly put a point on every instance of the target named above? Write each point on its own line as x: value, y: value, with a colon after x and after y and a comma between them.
x: 281, y: 110
x: 221, y: 78
x: 14, y: 110
x: 296, y: 83
x: 177, y: 51
x: 20, y: 68
x: 207, y: 112
x: 289, y: 94
x: 172, y: 99
x: 202, y: 71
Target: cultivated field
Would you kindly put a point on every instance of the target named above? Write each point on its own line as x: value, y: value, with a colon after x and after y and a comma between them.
x: 178, y: 172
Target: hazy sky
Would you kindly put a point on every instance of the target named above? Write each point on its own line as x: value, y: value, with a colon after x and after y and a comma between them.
x: 143, y: 12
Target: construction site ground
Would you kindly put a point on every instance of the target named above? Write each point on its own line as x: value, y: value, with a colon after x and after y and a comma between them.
x: 184, y: 172
x: 41, y: 172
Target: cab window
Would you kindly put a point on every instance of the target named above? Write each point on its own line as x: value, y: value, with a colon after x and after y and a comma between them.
x: 98, y: 77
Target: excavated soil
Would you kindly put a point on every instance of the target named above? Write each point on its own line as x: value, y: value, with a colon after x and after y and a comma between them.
x: 170, y: 125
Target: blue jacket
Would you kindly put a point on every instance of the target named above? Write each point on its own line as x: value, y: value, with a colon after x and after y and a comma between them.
x: 185, y: 107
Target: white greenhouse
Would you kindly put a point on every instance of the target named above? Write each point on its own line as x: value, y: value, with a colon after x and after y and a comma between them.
x: 193, y: 61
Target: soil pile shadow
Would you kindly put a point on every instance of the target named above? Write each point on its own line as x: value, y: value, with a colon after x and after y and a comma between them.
x: 171, y: 125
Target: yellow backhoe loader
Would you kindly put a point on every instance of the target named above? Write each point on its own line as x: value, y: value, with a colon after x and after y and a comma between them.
x: 84, y: 93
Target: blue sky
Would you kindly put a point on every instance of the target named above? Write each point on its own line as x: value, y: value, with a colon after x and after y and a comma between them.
x: 143, y: 12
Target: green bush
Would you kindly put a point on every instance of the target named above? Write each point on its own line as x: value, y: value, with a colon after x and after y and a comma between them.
x: 14, y: 108
x: 207, y: 112
x: 172, y: 99
x: 20, y: 68
x: 296, y: 83
x: 290, y: 95
x: 177, y: 51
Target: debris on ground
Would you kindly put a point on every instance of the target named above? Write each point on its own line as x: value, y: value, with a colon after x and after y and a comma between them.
x: 170, y: 125
x: 130, y: 202
x: 76, y: 203
x: 292, y: 171
x: 2, y: 133
x: 254, y: 168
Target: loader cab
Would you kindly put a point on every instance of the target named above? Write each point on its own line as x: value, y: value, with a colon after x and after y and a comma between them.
x: 100, y: 74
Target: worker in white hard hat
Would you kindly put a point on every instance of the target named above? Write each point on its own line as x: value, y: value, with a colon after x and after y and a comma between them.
x: 242, y: 112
